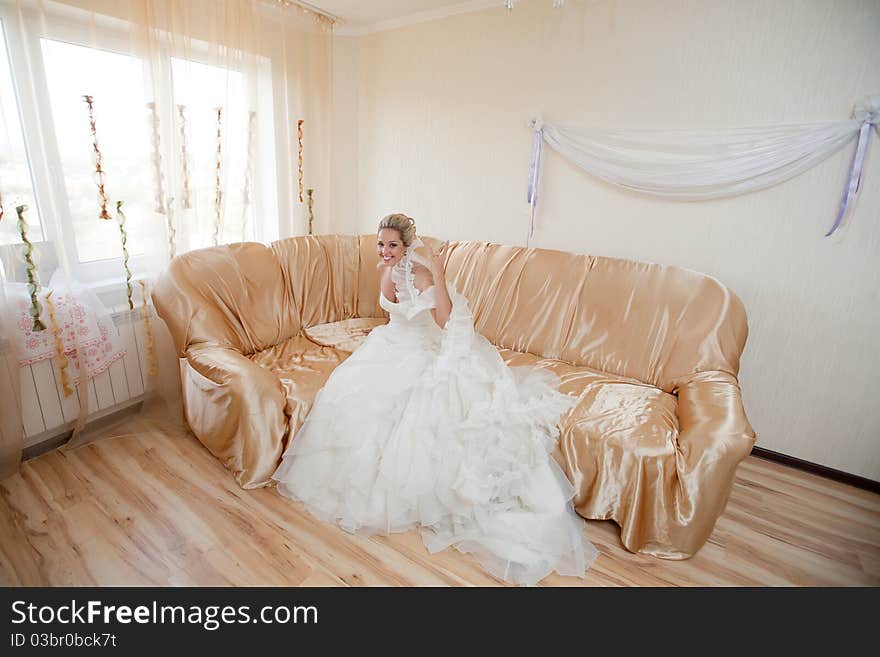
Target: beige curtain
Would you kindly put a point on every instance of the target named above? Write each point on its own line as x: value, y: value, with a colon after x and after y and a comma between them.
x: 196, y: 106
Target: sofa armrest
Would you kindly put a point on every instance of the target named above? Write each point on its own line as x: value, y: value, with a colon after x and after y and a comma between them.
x: 714, y: 437
x: 237, y: 409
x: 712, y: 422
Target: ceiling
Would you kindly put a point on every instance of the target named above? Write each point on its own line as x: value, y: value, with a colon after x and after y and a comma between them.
x: 367, y: 13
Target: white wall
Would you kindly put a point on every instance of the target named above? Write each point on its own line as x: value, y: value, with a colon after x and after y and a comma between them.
x: 344, y: 149
x: 438, y: 131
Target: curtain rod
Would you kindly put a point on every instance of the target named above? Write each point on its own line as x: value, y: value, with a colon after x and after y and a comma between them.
x: 312, y: 8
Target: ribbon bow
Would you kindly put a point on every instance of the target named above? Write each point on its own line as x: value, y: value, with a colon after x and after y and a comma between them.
x: 867, y: 112
x: 536, y: 124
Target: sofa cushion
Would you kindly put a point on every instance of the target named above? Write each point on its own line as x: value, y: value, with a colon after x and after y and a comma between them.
x: 619, y: 428
x: 616, y: 418
x: 346, y: 335
x: 303, y: 367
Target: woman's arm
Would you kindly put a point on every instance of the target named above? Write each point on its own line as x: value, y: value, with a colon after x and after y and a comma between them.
x: 441, y: 292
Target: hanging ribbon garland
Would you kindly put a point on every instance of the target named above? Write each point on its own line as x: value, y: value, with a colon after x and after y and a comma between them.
x: 31, y: 268
x: 98, y: 158
x: 63, y: 362
x: 153, y: 365
x: 157, y: 159
x: 123, y: 238
x: 299, y: 158
x: 248, y: 172
x: 184, y: 157
x: 218, y: 193
x: 169, y: 220
x: 692, y: 165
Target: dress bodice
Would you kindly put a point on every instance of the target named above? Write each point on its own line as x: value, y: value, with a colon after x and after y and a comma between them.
x: 410, y: 301
x: 411, y: 307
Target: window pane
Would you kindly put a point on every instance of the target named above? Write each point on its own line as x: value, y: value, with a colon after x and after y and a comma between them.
x: 116, y: 83
x: 16, y: 185
x: 202, y: 89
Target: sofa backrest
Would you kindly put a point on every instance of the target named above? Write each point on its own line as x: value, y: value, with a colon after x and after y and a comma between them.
x: 230, y: 296
x: 520, y: 298
x: 321, y: 275
x: 659, y: 324
x: 656, y: 323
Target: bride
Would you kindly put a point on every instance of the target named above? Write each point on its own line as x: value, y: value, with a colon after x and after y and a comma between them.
x: 425, y: 425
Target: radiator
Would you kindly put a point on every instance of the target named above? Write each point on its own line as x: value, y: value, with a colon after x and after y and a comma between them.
x: 47, y: 413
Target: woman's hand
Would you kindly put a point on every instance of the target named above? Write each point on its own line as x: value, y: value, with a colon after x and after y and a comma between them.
x: 438, y: 270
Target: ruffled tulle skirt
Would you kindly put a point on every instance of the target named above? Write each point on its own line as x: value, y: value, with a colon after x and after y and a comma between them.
x: 411, y: 433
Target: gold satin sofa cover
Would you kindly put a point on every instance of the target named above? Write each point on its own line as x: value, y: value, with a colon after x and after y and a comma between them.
x: 652, y: 352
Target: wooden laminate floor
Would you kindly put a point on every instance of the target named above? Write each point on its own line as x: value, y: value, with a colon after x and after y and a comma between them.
x: 157, y: 509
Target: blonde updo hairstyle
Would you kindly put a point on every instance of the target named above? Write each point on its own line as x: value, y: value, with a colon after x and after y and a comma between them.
x: 404, y: 225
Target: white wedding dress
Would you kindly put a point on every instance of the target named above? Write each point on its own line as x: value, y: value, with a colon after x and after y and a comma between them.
x: 430, y: 428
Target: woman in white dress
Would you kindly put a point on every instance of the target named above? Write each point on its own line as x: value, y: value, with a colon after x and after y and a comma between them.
x: 424, y: 425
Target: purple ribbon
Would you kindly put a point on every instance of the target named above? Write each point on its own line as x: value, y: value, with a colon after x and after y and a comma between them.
x: 534, y: 170
x: 855, y: 172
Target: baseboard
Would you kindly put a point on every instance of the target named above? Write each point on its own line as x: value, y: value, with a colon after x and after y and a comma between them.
x: 815, y: 468
x: 57, y: 439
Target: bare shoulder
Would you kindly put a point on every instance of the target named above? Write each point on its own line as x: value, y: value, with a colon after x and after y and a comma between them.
x: 386, y: 283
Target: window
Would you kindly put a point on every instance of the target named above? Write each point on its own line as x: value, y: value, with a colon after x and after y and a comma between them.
x: 16, y: 186
x: 116, y: 85
x: 47, y: 154
x: 201, y: 89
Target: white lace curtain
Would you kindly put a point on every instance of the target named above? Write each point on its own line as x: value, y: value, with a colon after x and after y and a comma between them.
x: 697, y: 165
x: 210, y: 117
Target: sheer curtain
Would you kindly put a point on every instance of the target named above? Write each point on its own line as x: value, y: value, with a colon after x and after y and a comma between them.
x: 132, y: 131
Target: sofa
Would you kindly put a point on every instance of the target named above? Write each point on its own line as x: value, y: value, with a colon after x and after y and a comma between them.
x: 650, y: 351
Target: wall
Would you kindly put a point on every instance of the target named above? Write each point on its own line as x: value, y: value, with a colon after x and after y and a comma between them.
x: 344, y: 150
x: 438, y: 131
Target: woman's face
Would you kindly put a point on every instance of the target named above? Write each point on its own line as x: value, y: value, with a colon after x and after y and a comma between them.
x: 390, y: 246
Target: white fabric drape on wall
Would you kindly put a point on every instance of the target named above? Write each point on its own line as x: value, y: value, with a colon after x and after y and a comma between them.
x: 195, y: 107
x: 697, y: 165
